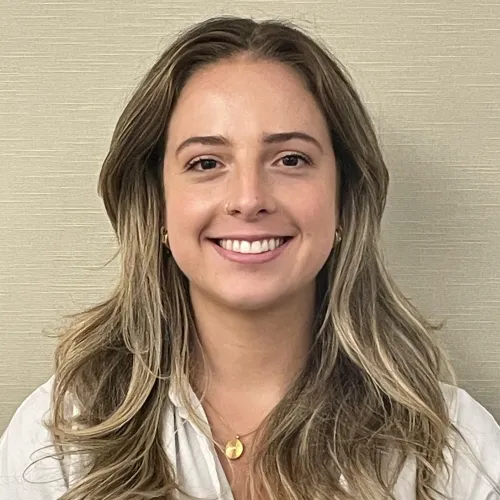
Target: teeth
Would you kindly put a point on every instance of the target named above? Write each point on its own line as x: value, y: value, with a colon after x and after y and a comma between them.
x: 242, y: 246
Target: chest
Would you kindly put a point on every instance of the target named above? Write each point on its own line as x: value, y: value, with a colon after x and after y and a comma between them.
x: 236, y: 472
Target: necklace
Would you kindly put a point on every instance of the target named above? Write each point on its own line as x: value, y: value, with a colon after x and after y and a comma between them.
x: 234, y: 448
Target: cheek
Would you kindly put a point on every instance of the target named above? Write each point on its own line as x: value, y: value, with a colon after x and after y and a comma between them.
x: 321, y: 233
x: 317, y: 215
x: 187, y: 214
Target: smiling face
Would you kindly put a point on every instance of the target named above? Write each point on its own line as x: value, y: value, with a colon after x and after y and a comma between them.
x: 250, y: 185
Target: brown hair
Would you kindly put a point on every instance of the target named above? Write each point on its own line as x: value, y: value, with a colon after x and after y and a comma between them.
x: 371, y: 385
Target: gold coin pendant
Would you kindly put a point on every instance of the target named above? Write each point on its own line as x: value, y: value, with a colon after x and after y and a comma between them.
x: 234, y: 449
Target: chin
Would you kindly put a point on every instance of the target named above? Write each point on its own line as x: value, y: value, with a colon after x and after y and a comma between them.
x: 246, y: 302
x: 278, y: 296
x: 252, y: 295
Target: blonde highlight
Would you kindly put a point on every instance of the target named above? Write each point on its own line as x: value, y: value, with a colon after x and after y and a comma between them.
x: 370, y: 393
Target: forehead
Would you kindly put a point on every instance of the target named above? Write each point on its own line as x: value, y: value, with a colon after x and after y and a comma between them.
x: 245, y: 96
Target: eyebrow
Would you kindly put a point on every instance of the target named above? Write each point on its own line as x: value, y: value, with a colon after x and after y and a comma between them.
x: 219, y: 140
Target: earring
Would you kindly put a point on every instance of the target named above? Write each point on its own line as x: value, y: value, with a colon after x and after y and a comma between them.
x: 338, y: 237
x: 164, y: 237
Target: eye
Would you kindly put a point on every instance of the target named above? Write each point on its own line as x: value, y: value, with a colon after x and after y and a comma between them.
x: 202, y: 164
x: 291, y: 160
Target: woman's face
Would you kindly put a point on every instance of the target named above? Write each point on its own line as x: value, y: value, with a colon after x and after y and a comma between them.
x: 247, y: 137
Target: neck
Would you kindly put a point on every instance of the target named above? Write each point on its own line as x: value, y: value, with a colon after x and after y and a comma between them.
x: 249, y: 352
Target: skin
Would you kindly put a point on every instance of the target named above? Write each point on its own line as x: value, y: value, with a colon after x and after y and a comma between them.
x: 254, y: 320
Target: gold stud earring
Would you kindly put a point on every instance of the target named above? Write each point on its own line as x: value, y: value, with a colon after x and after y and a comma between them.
x: 164, y: 237
x: 338, y: 237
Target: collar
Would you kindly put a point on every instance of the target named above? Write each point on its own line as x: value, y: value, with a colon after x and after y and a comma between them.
x: 175, y: 399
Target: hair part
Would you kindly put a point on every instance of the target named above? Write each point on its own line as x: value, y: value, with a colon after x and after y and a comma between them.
x: 370, y: 393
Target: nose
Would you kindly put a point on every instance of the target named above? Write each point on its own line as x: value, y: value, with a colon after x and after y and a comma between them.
x: 249, y: 193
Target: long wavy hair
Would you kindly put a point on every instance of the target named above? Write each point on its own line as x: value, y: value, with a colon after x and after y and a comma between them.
x: 371, y: 388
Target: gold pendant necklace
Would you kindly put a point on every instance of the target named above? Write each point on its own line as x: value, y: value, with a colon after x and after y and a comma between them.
x: 234, y: 448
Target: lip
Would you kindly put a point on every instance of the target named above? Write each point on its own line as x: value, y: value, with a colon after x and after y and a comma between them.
x: 250, y: 258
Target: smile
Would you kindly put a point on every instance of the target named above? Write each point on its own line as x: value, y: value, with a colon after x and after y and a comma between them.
x: 252, y: 247
x: 251, y: 251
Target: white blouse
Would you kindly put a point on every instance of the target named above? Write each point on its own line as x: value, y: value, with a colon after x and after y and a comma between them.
x: 196, y: 463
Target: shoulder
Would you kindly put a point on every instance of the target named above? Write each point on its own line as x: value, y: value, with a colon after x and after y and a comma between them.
x: 473, y: 420
x: 26, y: 470
x: 26, y: 429
x: 482, y: 434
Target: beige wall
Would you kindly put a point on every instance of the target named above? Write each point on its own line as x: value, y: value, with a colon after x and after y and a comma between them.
x: 429, y: 73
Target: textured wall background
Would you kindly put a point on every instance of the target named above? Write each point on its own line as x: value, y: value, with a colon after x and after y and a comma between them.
x: 428, y: 71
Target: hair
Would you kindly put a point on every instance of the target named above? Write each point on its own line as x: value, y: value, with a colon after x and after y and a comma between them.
x: 370, y: 392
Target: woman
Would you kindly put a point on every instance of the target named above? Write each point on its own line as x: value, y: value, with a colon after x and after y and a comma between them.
x: 255, y: 346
